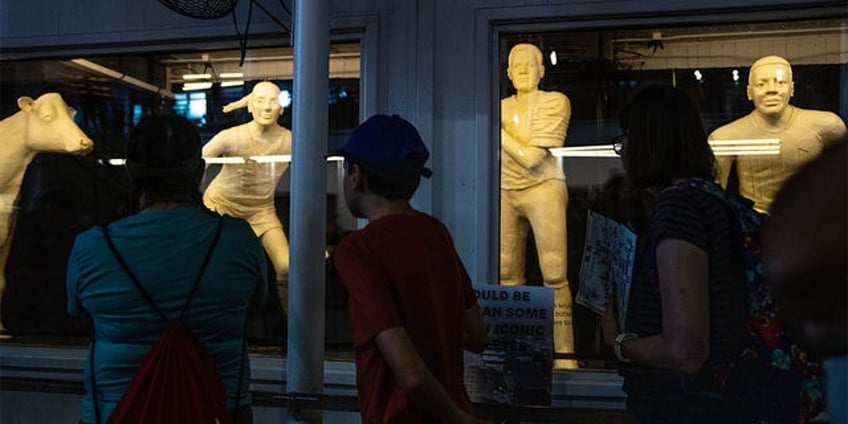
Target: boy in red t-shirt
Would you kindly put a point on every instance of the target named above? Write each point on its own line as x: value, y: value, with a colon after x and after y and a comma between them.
x: 412, y: 308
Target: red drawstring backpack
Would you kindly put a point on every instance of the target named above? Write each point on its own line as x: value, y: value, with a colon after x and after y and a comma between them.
x: 177, y: 381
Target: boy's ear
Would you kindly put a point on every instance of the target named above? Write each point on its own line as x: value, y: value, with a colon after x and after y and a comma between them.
x: 357, y: 177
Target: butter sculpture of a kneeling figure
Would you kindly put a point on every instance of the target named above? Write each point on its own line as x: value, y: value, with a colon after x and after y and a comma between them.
x: 44, y: 124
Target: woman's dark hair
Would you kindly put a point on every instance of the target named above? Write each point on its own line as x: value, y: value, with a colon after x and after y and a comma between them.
x: 163, y: 156
x: 665, y: 138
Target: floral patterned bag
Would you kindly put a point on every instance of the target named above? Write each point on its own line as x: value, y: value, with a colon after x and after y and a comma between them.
x: 769, y: 348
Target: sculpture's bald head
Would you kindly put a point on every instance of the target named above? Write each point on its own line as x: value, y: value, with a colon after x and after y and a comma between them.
x: 770, y: 85
x: 264, y: 103
x: 264, y: 86
x: 770, y: 60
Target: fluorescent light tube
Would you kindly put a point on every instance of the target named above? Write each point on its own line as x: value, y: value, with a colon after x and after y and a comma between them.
x: 195, y: 77
x: 189, y: 86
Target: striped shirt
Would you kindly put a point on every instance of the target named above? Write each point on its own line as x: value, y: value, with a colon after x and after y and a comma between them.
x: 697, y: 217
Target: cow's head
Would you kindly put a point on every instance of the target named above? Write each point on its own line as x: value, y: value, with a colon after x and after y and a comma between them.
x: 51, y: 127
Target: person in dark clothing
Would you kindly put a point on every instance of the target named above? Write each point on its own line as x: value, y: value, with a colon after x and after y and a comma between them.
x: 685, y: 313
x: 805, y: 246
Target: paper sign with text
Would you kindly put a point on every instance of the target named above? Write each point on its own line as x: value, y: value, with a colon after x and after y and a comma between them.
x: 516, y: 366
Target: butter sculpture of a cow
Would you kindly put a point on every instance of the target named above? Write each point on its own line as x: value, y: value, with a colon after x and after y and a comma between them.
x: 42, y: 125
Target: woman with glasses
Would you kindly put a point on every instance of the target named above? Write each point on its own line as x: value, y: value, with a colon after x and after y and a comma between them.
x: 683, y: 317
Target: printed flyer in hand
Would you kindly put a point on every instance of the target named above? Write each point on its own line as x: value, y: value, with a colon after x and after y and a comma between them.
x: 607, y: 265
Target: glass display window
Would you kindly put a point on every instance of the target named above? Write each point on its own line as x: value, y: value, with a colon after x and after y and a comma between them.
x: 561, y: 92
x: 63, y: 192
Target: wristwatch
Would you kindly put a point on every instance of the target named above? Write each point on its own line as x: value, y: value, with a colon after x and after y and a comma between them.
x: 620, y: 339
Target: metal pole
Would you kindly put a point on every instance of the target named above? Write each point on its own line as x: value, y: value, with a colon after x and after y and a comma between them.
x: 305, y: 358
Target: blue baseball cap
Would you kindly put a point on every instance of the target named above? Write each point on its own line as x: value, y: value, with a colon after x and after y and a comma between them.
x: 387, y: 143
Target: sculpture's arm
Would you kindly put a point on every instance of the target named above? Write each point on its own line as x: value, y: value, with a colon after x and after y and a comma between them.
x: 220, y: 145
x: 723, y: 164
x: 835, y: 132
x: 549, y: 122
x: 549, y: 116
x: 526, y: 155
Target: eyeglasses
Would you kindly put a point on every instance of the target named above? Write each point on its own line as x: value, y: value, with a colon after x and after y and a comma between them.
x: 619, y: 143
